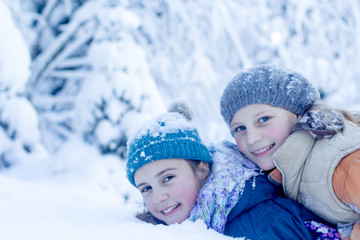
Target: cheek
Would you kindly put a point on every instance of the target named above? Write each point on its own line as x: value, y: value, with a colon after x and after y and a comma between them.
x: 187, y: 193
x: 149, y: 204
x: 278, y: 133
x: 240, y: 144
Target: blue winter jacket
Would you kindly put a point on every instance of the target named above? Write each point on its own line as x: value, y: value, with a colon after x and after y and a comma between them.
x: 263, y: 212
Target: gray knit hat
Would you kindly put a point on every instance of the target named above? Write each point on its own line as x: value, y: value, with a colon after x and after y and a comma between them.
x: 267, y: 84
x: 169, y: 136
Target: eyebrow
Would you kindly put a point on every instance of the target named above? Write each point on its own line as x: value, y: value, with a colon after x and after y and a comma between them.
x: 157, y: 175
x: 262, y: 112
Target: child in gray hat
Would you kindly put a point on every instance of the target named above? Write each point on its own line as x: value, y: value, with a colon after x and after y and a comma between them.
x: 310, y: 149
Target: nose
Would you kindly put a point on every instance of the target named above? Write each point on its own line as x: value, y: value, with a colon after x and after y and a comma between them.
x: 160, y: 195
x: 253, y: 135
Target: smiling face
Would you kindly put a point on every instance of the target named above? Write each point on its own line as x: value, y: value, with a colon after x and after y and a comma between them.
x: 169, y: 188
x: 260, y: 129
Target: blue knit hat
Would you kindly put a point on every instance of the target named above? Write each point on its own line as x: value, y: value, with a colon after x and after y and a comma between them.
x: 170, y: 136
x: 267, y: 84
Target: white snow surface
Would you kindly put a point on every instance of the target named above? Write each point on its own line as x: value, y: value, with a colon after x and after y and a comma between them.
x: 78, y: 195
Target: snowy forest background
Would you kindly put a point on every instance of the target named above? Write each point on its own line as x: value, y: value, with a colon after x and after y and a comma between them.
x: 78, y: 77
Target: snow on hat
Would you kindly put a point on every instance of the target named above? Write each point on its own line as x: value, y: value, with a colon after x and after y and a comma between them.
x: 169, y: 136
x: 267, y: 84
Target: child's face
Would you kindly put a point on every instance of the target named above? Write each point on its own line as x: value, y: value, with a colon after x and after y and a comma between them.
x: 259, y: 131
x: 169, y: 188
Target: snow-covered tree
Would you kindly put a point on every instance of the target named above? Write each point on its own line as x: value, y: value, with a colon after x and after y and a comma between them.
x: 19, y: 124
x: 98, y: 67
x: 88, y: 74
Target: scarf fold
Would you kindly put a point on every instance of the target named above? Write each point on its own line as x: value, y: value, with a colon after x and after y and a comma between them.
x: 224, y: 186
x: 321, y: 124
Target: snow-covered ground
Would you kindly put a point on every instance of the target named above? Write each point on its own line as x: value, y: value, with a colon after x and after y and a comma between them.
x: 77, y: 194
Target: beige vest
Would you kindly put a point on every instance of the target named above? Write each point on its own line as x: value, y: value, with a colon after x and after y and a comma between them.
x: 307, y: 166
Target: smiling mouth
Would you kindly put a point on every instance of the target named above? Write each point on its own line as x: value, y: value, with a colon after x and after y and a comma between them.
x: 263, y: 149
x: 170, y: 209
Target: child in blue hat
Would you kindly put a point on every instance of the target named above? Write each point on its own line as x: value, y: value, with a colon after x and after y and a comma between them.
x: 181, y: 179
x: 168, y: 155
x: 310, y: 149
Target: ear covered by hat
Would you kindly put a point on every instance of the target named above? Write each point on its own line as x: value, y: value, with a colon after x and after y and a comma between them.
x: 267, y: 84
x: 169, y: 136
